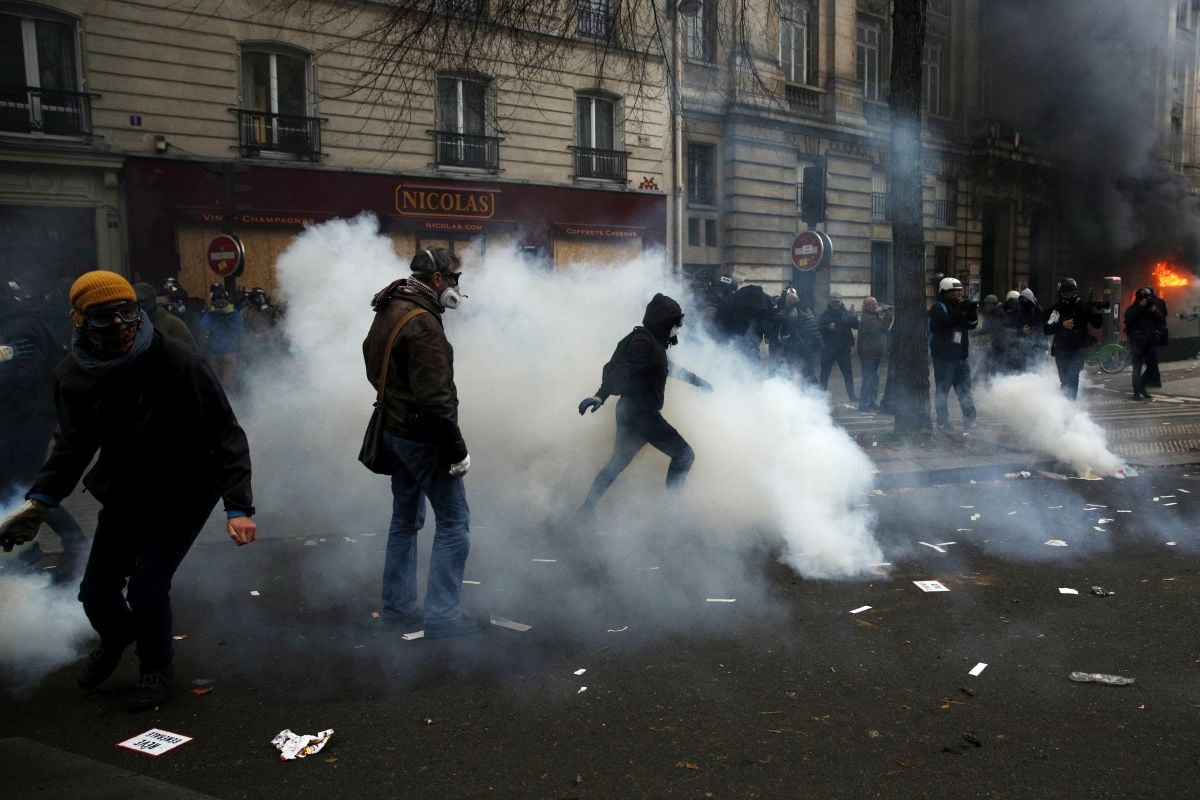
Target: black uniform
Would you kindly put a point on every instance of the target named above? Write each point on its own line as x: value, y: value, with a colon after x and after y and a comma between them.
x: 1143, y: 320
x: 639, y: 375
x: 1070, y: 345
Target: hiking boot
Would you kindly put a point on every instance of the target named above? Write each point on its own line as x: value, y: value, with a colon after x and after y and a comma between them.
x: 463, y: 626
x: 101, y: 664
x: 152, y: 690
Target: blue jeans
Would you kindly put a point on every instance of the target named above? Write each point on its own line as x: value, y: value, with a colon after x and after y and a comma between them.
x: 1069, y: 365
x: 421, y: 471
x: 957, y: 373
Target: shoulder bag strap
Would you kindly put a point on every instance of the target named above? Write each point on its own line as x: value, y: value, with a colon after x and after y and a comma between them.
x: 387, y: 352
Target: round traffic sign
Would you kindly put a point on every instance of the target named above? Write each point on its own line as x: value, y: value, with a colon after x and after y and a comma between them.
x: 811, y: 250
x: 225, y: 255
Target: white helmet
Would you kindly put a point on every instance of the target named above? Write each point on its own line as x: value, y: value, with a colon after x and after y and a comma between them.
x: 949, y: 284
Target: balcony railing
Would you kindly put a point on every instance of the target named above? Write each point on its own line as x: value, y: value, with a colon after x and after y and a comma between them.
x: 466, y: 150
x: 802, y: 98
x: 945, y: 213
x: 879, y: 206
x: 605, y: 164
x: 264, y: 132
x: 28, y: 109
x: 593, y: 19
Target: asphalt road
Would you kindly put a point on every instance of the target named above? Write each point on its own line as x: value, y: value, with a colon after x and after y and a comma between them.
x: 782, y: 693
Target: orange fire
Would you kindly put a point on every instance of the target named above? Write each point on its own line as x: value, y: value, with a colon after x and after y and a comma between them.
x: 1166, y: 275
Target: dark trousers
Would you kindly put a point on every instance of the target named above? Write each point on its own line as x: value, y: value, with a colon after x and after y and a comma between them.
x: 870, y: 382
x: 956, y: 373
x: 842, y: 359
x: 142, y: 546
x: 1143, y: 359
x: 1069, y: 365
x: 636, y: 428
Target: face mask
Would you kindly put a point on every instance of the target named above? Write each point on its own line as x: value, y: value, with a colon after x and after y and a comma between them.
x: 450, y: 297
x: 674, y: 332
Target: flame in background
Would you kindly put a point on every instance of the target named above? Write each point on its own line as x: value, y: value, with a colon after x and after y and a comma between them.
x: 1165, y: 275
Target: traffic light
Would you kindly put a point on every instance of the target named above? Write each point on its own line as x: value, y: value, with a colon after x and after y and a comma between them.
x: 812, y: 196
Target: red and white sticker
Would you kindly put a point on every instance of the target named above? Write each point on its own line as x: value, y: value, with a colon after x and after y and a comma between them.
x: 155, y: 742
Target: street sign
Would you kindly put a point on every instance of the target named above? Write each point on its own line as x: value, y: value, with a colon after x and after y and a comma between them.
x: 225, y: 255
x: 811, y: 250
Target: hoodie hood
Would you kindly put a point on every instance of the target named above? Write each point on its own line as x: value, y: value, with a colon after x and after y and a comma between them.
x: 662, y: 313
x: 1027, y: 294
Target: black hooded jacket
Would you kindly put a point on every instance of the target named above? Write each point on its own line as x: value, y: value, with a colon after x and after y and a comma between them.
x: 643, y: 356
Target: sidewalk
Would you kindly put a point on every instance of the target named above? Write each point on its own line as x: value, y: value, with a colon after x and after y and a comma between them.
x: 984, y: 455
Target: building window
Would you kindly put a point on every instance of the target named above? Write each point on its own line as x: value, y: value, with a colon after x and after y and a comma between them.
x: 933, y: 68
x: 701, y: 174
x: 801, y: 164
x: 700, y: 33
x: 881, y: 271
x: 593, y: 19
x: 275, y: 114
x: 693, y: 231
x: 879, y: 197
x: 39, y: 76
x: 796, y: 43
x: 461, y: 138
x: 710, y: 233
x: 867, y: 40
x: 596, y: 136
x: 945, y: 203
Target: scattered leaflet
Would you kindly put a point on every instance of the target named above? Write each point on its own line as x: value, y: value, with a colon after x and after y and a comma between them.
x: 154, y: 742
x: 931, y: 586
x: 292, y: 745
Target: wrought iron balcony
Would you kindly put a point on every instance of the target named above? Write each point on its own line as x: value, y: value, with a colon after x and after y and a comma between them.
x: 604, y: 164
x: 593, y: 19
x: 879, y: 206
x: 264, y: 132
x: 945, y: 213
x: 28, y: 109
x: 466, y: 150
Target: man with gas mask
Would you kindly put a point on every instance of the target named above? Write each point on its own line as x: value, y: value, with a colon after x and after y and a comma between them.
x: 1143, y: 320
x: 638, y: 372
x: 222, y: 327
x: 123, y: 390
x: 422, y: 436
x: 1068, y: 321
x: 951, y: 319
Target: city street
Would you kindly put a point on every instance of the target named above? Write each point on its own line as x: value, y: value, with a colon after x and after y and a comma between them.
x: 787, y: 688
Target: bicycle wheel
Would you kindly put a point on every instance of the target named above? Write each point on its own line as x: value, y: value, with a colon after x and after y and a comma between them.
x: 1115, y: 361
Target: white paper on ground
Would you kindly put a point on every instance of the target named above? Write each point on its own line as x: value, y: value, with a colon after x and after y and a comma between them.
x: 618, y: 630
x: 720, y: 599
x: 580, y: 671
x: 254, y: 593
x: 1067, y: 590
x: 408, y: 637
x: 978, y: 668
x: 512, y: 626
x: 931, y: 586
x: 1170, y: 544
x: 470, y: 583
x: 1056, y: 543
x: 1169, y: 504
x: 294, y: 745
x: 155, y: 742
x: 859, y: 610
x: 545, y: 560
x: 582, y: 689
x: 933, y: 546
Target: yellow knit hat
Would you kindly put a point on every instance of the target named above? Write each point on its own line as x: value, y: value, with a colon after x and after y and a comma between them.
x: 97, y: 288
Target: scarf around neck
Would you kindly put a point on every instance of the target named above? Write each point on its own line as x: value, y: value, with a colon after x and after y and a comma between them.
x: 94, y: 365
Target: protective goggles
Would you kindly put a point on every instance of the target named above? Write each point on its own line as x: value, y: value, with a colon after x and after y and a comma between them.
x: 103, y: 316
x: 452, y: 278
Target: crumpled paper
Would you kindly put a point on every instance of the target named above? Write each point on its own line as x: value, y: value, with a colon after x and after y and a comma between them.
x: 294, y: 745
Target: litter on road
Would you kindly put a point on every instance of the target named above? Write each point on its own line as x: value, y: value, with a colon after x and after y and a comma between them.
x: 470, y: 583
x: 292, y: 745
x: 580, y: 671
x: 1056, y: 543
x: 932, y: 546
x: 512, y: 626
x: 860, y: 609
x: 1067, y: 590
x: 154, y: 742
x: 1100, y: 591
x: 977, y: 669
x: 1098, y: 677
x: 930, y: 586
x: 254, y: 593
x: 720, y: 600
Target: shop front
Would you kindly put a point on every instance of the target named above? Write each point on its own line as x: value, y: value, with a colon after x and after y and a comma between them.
x: 176, y: 207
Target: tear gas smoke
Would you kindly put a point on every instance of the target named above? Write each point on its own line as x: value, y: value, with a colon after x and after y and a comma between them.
x: 1038, y: 417
x: 772, y: 469
x: 42, y: 626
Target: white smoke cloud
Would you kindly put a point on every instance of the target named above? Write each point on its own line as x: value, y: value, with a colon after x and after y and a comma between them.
x: 1038, y: 417
x: 771, y: 469
x: 42, y: 627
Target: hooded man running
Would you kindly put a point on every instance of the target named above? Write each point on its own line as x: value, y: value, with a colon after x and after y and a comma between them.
x: 638, y: 373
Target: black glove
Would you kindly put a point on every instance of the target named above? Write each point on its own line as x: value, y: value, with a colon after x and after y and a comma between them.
x: 589, y: 402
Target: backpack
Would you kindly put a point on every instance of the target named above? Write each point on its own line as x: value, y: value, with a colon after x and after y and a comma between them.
x: 615, y: 375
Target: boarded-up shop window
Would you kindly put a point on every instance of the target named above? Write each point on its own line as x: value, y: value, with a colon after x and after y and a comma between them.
x: 569, y: 251
x: 263, y: 248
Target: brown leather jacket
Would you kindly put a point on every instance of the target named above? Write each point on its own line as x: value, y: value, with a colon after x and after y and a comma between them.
x: 420, y: 401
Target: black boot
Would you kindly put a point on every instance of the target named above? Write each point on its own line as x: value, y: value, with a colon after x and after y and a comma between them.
x: 100, y: 666
x: 152, y: 690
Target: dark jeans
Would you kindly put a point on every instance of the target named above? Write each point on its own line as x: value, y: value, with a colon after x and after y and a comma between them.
x: 870, y: 382
x: 637, y: 427
x: 422, y: 473
x: 947, y: 373
x: 842, y: 359
x: 143, y: 545
x: 1143, y: 359
x: 1152, y: 377
x: 1069, y: 366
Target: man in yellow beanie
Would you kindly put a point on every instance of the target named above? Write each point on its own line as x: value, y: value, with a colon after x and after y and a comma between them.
x: 122, y: 391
